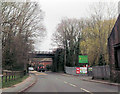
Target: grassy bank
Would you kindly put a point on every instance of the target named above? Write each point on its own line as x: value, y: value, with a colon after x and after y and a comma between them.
x: 13, y: 82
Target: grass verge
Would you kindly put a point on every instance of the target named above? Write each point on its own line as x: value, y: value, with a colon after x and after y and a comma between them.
x: 13, y: 82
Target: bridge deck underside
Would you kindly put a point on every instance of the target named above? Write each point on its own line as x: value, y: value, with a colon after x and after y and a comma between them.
x: 43, y: 56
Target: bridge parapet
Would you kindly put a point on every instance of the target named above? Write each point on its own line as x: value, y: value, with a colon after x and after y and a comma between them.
x: 42, y: 52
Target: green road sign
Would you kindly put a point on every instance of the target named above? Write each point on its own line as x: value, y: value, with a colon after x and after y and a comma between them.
x: 83, y: 59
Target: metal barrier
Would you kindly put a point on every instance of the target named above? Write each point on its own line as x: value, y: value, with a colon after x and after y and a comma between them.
x: 101, y: 72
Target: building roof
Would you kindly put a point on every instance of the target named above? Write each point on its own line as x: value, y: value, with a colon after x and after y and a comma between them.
x: 118, y: 20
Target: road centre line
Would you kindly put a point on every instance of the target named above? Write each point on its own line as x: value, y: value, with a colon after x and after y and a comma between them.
x: 86, y: 90
x: 76, y: 86
x: 80, y: 88
x: 65, y: 75
x: 65, y: 82
x: 73, y: 85
x: 70, y: 84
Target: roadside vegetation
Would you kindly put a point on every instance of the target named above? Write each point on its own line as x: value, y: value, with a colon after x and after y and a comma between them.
x: 22, y: 23
x: 87, y: 35
x: 13, y: 82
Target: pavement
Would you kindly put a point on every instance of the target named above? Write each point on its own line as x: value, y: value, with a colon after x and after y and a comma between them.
x: 100, y: 81
x: 21, y: 87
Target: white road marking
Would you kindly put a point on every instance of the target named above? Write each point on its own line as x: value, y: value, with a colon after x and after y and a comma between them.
x: 65, y: 75
x: 73, y: 85
x: 40, y: 73
x: 70, y: 84
x: 86, y: 90
x: 65, y: 82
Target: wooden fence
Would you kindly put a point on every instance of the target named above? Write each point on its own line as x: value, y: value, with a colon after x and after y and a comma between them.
x: 11, y: 75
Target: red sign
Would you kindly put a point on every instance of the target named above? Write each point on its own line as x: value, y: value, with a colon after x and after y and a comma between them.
x: 77, y: 70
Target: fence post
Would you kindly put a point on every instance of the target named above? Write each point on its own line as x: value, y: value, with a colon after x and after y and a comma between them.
x: 2, y: 78
x: 20, y: 74
x: 24, y: 72
x: 9, y: 76
x: 6, y: 77
x: 14, y: 75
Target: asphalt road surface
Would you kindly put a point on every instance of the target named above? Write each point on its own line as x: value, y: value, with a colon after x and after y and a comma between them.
x: 59, y: 82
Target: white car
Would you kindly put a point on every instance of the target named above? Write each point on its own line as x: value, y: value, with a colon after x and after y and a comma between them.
x: 31, y: 69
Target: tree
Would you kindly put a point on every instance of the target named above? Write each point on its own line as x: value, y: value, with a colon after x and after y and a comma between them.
x: 87, y: 36
x: 58, y: 60
x: 67, y: 36
x: 98, y: 28
x: 22, y: 22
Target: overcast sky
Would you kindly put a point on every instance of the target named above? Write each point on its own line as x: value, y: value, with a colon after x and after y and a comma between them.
x: 55, y: 10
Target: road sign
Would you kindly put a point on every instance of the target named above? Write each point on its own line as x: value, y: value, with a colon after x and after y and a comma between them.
x: 83, y: 59
x: 83, y: 70
x: 77, y: 70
